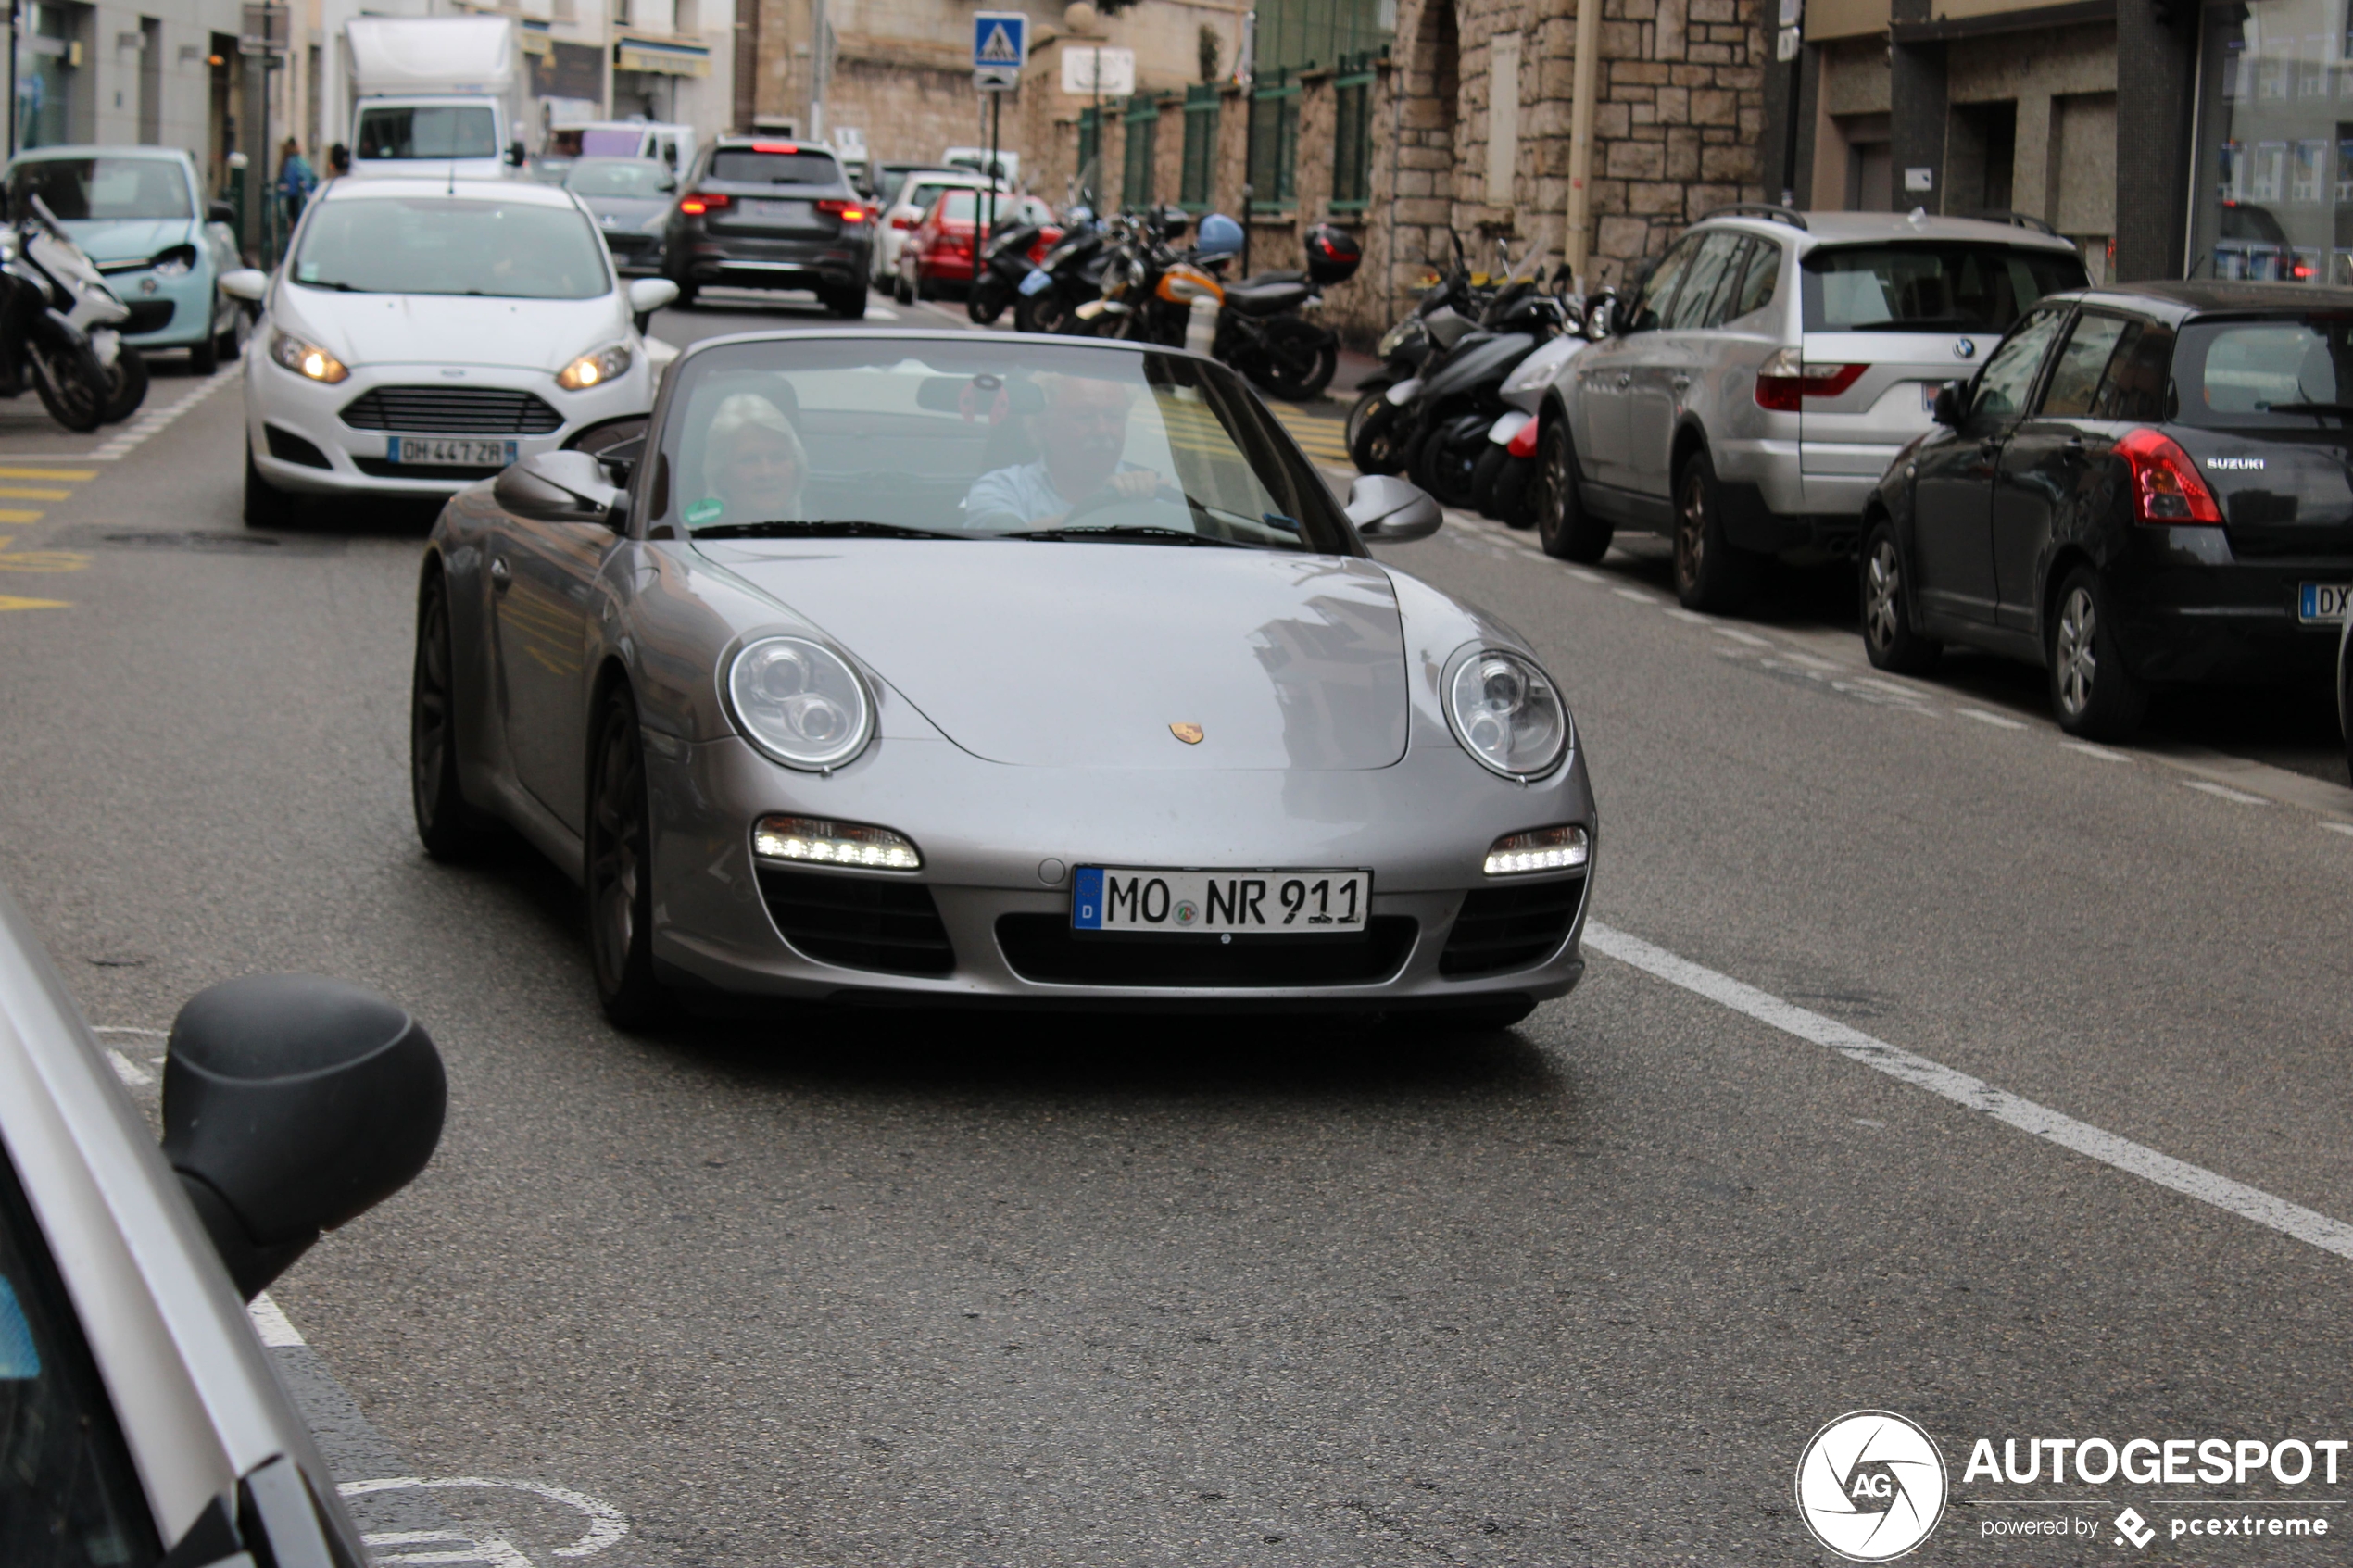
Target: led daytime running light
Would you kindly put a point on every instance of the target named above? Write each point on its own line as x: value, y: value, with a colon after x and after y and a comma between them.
x: 817, y: 841
x: 1564, y: 849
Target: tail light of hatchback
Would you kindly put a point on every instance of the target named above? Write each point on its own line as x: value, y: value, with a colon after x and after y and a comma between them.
x: 848, y: 211
x: 1784, y: 382
x: 907, y: 220
x: 2167, y: 488
x: 694, y: 204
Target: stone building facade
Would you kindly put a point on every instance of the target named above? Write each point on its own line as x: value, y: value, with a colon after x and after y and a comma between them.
x: 1464, y: 128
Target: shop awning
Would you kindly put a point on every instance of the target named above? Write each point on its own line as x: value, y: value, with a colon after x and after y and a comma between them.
x: 669, y: 60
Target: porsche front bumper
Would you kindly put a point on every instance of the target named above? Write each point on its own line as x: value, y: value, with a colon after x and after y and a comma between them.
x: 998, y: 842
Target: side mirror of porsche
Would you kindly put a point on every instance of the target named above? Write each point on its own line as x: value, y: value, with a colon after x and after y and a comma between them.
x: 1390, y: 510
x: 558, y: 487
x: 1948, y: 408
x: 291, y: 1104
x: 248, y: 283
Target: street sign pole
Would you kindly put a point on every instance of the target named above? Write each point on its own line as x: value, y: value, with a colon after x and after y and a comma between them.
x: 1001, y: 48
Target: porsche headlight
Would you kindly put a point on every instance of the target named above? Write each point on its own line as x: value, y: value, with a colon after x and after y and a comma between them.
x: 800, y: 703
x: 1508, y: 714
x: 306, y: 359
x: 594, y: 369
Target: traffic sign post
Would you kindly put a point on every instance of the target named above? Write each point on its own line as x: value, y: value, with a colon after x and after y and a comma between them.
x: 1001, y: 48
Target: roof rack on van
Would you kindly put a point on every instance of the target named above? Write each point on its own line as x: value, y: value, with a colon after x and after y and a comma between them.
x: 2016, y: 220
x: 1788, y: 215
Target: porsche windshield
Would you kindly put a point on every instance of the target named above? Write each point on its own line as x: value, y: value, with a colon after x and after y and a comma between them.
x: 884, y: 438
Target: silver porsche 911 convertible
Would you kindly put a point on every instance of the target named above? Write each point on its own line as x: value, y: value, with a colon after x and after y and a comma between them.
x: 967, y: 667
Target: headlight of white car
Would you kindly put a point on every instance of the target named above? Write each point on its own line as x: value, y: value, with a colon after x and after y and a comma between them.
x: 306, y: 359
x: 800, y: 703
x: 594, y: 369
x: 1508, y: 714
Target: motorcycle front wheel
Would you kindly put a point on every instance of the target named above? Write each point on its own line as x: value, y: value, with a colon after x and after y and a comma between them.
x: 127, y: 385
x: 1296, y: 360
x: 73, y: 387
x: 1444, y: 464
x: 987, y: 301
x: 1380, y: 442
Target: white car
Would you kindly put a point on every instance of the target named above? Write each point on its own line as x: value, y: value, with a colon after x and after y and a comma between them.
x: 426, y: 334
x: 915, y: 194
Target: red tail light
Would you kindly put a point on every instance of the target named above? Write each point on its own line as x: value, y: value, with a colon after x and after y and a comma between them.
x: 776, y: 147
x: 848, y: 212
x: 2167, y: 488
x: 696, y: 203
x: 1784, y: 383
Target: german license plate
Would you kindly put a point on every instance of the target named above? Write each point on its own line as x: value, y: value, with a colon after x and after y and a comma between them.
x: 450, y: 452
x: 1316, y: 903
x: 2323, y: 604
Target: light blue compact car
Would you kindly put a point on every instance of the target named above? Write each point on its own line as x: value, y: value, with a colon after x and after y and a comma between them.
x: 140, y: 214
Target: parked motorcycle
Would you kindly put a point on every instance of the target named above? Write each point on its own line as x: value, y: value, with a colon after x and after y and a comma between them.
x: 1007, y: 262
x: 1066, y: 277
x: 59, y: 327
x: 1499, y: 481
x: 1447, y: 312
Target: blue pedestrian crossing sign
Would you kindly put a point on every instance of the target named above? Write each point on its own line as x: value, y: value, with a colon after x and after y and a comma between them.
x: 1001, y: 48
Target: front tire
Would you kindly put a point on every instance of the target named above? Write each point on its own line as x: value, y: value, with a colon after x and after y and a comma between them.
x: 73, y: 387
x: 204, y: 359
x: 127, y: 385
x: 1566, y: 529
x: 1711, y: 573
x: 1888, y: 637
x: 452, y: 831
x: 619, y: 886
x: 1379, y: 446
x: 848, y: 302
x: 1296, y: 360
x: 266, y: 505
x: 1444, y: 467
x: 2093, y: 694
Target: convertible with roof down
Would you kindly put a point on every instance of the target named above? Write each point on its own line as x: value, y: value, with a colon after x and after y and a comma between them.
x: 968, y: 668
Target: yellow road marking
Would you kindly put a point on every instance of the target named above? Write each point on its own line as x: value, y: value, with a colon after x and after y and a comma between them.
x: 8, y: 602
x: 48, y: 473
x: 14, y: 515
x: 23, y: 495
x: 43, y: 560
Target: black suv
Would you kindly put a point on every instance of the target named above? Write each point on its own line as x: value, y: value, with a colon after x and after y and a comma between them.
x: 2147, y: 485
x: 770, y: 215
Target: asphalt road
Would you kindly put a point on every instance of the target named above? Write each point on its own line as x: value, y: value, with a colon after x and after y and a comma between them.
x: 930, y: 1289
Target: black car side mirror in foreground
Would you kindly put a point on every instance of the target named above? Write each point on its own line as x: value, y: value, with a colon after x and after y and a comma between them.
x: 293, y: 1104
x: 1948, y: 409
x: 562, y: 487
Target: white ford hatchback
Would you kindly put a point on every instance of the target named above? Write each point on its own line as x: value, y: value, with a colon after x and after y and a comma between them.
x: 426, y: 334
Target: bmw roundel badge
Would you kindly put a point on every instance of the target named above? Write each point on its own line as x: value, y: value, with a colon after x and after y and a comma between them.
x: 1963, y: 349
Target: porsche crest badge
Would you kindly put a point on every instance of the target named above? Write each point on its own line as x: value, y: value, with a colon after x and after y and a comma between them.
x: 1190, y: 733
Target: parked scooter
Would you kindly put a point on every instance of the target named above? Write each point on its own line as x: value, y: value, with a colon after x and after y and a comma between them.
x: 59, y: 327
x: 1066, y: 277
x: 1499, y: 481
x: 1006, y: 262
x: 1447, y: 312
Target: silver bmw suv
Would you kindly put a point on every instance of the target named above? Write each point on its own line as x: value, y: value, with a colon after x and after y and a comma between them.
x: 1748, y: 394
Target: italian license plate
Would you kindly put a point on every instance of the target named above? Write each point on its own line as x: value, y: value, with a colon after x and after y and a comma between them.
x: 450, y: 452
x: 1316, y: 903
x: 2323, y: 604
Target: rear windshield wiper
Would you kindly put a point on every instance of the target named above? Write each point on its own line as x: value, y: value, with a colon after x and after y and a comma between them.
x: 828, y: 528
x: 2308, y: 409
x: 1131, y: 531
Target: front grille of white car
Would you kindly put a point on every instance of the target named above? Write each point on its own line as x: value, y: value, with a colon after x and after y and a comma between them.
x: 451, y: 410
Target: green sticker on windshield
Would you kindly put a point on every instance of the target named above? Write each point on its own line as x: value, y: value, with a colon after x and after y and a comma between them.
x: 706, y: 510
x: 307, y: 272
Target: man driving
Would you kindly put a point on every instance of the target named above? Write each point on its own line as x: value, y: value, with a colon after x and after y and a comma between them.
x: 1081, y: 433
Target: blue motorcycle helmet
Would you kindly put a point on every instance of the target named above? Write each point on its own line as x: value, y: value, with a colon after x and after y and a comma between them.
x: 1218, y: 237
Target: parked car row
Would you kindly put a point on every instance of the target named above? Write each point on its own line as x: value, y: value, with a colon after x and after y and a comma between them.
x: 2135, y: 486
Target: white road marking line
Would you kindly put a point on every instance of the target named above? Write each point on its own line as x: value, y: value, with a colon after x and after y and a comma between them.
x: 1584, y: 576
x: 2225, y: 792
x: 1996, y: 719
x: 128, y: 1070
x: 1875, y: 684
x: 483, y: 1549
x: 1739, y: 636
x: 1636, y: 595
x: 270, y: 1322
x: 882, y: 312
x: 606, y: 1523
x: 123, y: 442
x: 1975, y: 1094
x: 2344, y: 828
x: 1810, y: 661
x: 129, y: 1029
x: 2088, y: 749
x: 1692, y: 616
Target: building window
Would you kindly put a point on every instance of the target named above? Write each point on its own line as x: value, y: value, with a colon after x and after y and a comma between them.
x: 2271, y: 182
x: 1353, y: 134
x: 1198, y: 184
x: 1274, y: 143
x: 1136, y: 165
x: 1091, y: 153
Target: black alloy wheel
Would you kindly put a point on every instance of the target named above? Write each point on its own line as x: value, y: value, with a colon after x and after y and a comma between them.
x: 2093, y: 694
x: 1888, y: 637
x: 1565, y: 526
x: 619, y: 857
x: 1711, y: 573
x: 450, y: 830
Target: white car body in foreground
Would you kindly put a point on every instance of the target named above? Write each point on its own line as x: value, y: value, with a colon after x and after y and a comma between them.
x: 478, y: 367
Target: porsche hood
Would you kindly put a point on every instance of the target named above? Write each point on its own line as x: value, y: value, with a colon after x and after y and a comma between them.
x: 1070, y: 655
